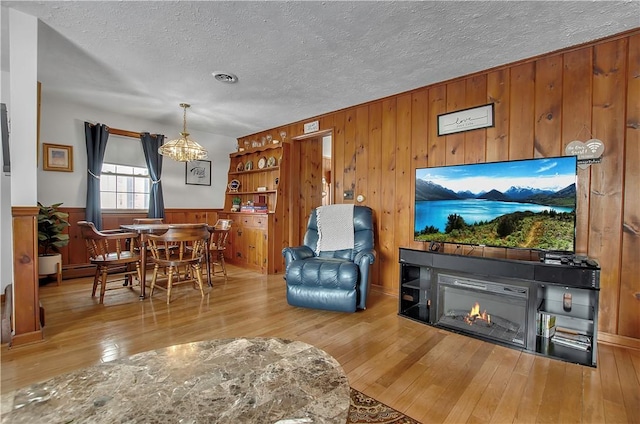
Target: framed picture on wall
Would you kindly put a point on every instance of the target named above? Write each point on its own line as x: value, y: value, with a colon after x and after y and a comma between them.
x: 57, y: 157
x: 466, y: 120
x: 198, y: 172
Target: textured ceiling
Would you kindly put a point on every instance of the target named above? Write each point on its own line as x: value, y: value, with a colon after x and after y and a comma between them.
x: 294, y: 60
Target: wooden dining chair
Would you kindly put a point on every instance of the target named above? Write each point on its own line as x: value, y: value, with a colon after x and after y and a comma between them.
x: 217, y: 247
x: 142, y: 221
x: 111, y: 251
x: 181, y: 250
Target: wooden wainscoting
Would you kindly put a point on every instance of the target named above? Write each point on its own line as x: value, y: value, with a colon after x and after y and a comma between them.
x: 75, y: 260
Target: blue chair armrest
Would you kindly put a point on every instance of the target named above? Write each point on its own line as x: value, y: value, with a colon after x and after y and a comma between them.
x: 364, y: 259
x: 368, y: 254
x: 295, y: 253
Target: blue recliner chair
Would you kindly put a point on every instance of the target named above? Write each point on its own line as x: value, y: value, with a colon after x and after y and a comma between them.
x: 335, y: 280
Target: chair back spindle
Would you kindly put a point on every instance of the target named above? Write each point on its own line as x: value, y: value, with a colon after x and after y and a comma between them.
x: 217, y: 247
x: 183, y: 245
x: 110, y: 251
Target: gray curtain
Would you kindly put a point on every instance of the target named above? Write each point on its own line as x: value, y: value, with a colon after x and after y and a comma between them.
x: 96, y: 137
x: 150, y: 145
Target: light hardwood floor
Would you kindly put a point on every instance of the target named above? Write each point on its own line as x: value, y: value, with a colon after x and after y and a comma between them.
x: 430, y: 374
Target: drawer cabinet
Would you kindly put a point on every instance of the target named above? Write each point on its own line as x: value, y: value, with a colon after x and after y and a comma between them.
x: 257, y: 189
x: 248, y: 240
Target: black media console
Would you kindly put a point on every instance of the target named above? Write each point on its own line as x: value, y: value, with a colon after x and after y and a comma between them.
x: 548, y: 309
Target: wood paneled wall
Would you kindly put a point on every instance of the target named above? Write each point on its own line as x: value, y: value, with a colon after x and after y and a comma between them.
x: 541, y: 105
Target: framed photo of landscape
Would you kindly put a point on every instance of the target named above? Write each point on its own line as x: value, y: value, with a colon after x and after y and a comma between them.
x: 57, y: 157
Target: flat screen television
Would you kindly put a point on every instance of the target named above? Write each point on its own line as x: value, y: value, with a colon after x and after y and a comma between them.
x: 526, y: 204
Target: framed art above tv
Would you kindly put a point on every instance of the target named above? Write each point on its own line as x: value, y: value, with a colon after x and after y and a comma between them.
x: 466, y: 119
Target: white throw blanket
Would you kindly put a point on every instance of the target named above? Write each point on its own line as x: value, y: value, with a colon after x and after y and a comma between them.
x: 335, y: 228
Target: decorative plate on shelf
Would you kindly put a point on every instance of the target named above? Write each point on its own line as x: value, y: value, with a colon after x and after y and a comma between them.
x: 248, y: 166
x: 262, y: 162
x: 234, y: 185
x: 240, y: 167
x: 271, y: 162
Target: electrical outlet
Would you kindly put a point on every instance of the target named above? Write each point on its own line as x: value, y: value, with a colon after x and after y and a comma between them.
x: 348, y: 195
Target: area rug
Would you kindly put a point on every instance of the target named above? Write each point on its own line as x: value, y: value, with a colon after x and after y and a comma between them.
x: 365, y: 409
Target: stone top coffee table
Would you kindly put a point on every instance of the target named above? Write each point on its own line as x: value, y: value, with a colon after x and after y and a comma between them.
x: 226, y: 381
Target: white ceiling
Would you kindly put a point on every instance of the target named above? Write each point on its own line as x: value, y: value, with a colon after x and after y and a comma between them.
x: 294, y: 60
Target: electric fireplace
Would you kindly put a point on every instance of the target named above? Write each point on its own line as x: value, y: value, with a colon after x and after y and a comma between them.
x: 486, y: 309
x: 508, y: 302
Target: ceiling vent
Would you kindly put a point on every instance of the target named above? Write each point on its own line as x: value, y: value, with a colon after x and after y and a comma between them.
x: 225, y: 77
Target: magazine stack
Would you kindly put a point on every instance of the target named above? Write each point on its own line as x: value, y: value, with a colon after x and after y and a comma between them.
x: 572, y: 339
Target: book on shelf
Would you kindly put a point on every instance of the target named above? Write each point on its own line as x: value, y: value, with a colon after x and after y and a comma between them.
x: 572, y: 335
x: 546, y: 325
x: 256, y: 208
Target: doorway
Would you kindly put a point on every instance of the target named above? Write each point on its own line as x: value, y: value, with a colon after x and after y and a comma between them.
x: 311, y: 179
x: 327, y: 190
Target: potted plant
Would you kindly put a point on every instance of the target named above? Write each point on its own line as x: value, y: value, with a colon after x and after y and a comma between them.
x: 51, y: 237
x: 236, y: 204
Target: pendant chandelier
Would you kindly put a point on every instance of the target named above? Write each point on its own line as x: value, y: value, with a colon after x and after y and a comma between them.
x: 183, y: 149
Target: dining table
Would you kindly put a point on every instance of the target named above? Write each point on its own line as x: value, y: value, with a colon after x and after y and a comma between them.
x: 143, y: 231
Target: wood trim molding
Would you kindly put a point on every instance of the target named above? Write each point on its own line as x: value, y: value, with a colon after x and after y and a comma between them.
x: 26, y: 312
x: 616, y: 340
x: 24, y: 211
x: 188, y: 210
x: 321, y: 133
x: 27, y: 338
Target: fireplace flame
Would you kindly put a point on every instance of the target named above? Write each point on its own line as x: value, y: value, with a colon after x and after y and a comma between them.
x: 475, y: 315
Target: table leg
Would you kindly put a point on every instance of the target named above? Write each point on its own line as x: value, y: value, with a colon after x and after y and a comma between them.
x: 143, y: 266
x: 208, y: 254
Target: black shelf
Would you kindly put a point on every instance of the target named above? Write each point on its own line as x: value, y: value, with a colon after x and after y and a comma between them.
x: 547, y: 347
x: 419, y: 312
x: 414, y: 284
x: 554, y: 307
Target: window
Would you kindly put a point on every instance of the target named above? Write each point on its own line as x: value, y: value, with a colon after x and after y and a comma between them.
x: 124, y: 187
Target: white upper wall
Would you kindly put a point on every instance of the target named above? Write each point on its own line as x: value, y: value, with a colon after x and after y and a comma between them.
x: 23, y: 77
x: 63, y: 123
